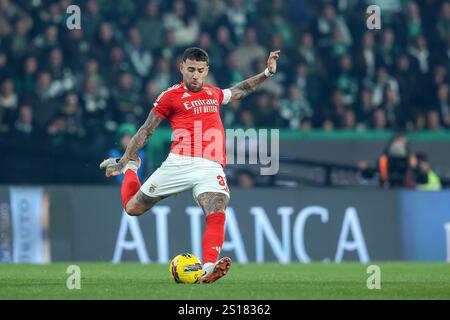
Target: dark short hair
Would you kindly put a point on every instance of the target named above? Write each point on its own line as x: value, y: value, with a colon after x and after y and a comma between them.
x: 195, y: 54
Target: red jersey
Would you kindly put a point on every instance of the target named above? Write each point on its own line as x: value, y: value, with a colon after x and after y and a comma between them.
x: 195, y: 119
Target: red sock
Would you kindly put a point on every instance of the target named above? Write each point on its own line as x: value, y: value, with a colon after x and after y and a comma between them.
x: 130, y: 186
x: 213, y: 236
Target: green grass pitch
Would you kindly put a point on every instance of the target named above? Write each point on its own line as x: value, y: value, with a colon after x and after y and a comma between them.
x: 243, y: 282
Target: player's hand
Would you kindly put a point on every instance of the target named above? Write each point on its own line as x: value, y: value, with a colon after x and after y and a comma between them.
x: 113, y: 166
x: 272, y: 61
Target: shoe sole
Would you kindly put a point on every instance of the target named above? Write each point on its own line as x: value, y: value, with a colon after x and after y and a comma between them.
x: 220, y: 270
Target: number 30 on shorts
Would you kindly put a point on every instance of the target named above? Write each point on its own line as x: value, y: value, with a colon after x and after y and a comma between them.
x: 223, y: 183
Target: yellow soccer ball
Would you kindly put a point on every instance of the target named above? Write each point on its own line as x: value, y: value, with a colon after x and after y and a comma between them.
x: 185, y: 268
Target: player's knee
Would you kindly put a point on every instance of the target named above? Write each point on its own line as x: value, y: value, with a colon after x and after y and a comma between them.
x: 224, y: 202
x: 132, y: 210
x: 220, y: 202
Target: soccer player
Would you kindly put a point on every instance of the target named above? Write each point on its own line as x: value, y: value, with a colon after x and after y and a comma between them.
x: 197, y: 155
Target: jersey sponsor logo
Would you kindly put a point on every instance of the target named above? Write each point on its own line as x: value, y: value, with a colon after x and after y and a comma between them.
x: 185, y: 95
x: 202, y: 103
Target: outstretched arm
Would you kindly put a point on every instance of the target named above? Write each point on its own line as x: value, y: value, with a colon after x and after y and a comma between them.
x: 141, y: 137
x: 136, y: 143
x: 244, y: 88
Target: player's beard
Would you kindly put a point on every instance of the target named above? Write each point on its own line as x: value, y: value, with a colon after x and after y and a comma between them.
x: 194, y: 89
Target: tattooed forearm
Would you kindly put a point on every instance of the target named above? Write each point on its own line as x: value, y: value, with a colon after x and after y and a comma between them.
x: 244, y: 88
x: 212, y: 202
x: 142, y: 136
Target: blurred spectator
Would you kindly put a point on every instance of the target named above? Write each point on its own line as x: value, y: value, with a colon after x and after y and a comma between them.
x: 230, y: 74
x: 9, y: 100
x: 392, y: 107
x: 151, y: 27
x: 338, y: 107
x: 388, y: 50
x: 63, y: 79
x: 125, y: 101
x: 379, y: 119
x: 309, y: 54
x: 103, y: 42
x: 407, y: 81
x: 230, y: 114
x: 413, y: 21
x: 419, y: 51
x: 265, y: 115
x: 27, y: 81
x: 123, y: 136
x: 141, y: 59
x: 443, y: 104
x: 95, y: 100
x: 6, y: 68
x: 116, y: 66
x: 25, y: 125
x: 43, y: 99
x: 209, y: 12
x: 91, y: 19
x: 346, y: 81
x: 443, y: 22
x: 383, y: 82
x: 425, y: 178
x: 51, y: 13
x: 364, y: 108
x: 245, y: 179
x: 73, y: 113
x: 25, y: 135
x: 249, y: 51
x: 169, y: 50
x: 349, y: 120
x: 328, y: 21
x: 48, y: 39
x: 328, y: 125
x: 57, y: 129
x: 151, y: 93
x: 224, y: 40
x: 295, y: 108
x: 163, y: 77
x: 308, y: 83
x: 246, y: 120
x: 433, y: 120
x: 366, y: 56
x: 419, y: 120
x: 236, y: 18
x: 75, y: 49
x: 392, y: 167
x: 18, y: 41
x: 183, y: 23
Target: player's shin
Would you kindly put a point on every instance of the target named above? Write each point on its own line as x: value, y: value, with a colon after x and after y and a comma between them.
x: 130, y: 186
x: 213, y: 237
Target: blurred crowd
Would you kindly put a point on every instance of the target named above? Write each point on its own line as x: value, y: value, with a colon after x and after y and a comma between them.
x: 61, y: 88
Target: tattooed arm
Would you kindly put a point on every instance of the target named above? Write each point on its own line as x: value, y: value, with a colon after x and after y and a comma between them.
x: 141, y: 137
x: 244, y: 88
x: 136, y: 143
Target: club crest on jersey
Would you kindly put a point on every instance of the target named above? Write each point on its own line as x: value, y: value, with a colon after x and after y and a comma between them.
x: 208, y: 91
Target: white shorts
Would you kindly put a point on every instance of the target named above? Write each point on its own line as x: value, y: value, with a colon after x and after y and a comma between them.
x: 179, y: 173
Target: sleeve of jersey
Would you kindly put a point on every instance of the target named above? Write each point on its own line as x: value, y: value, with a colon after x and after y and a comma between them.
x: 162, y: 106
x: 224, y: 96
